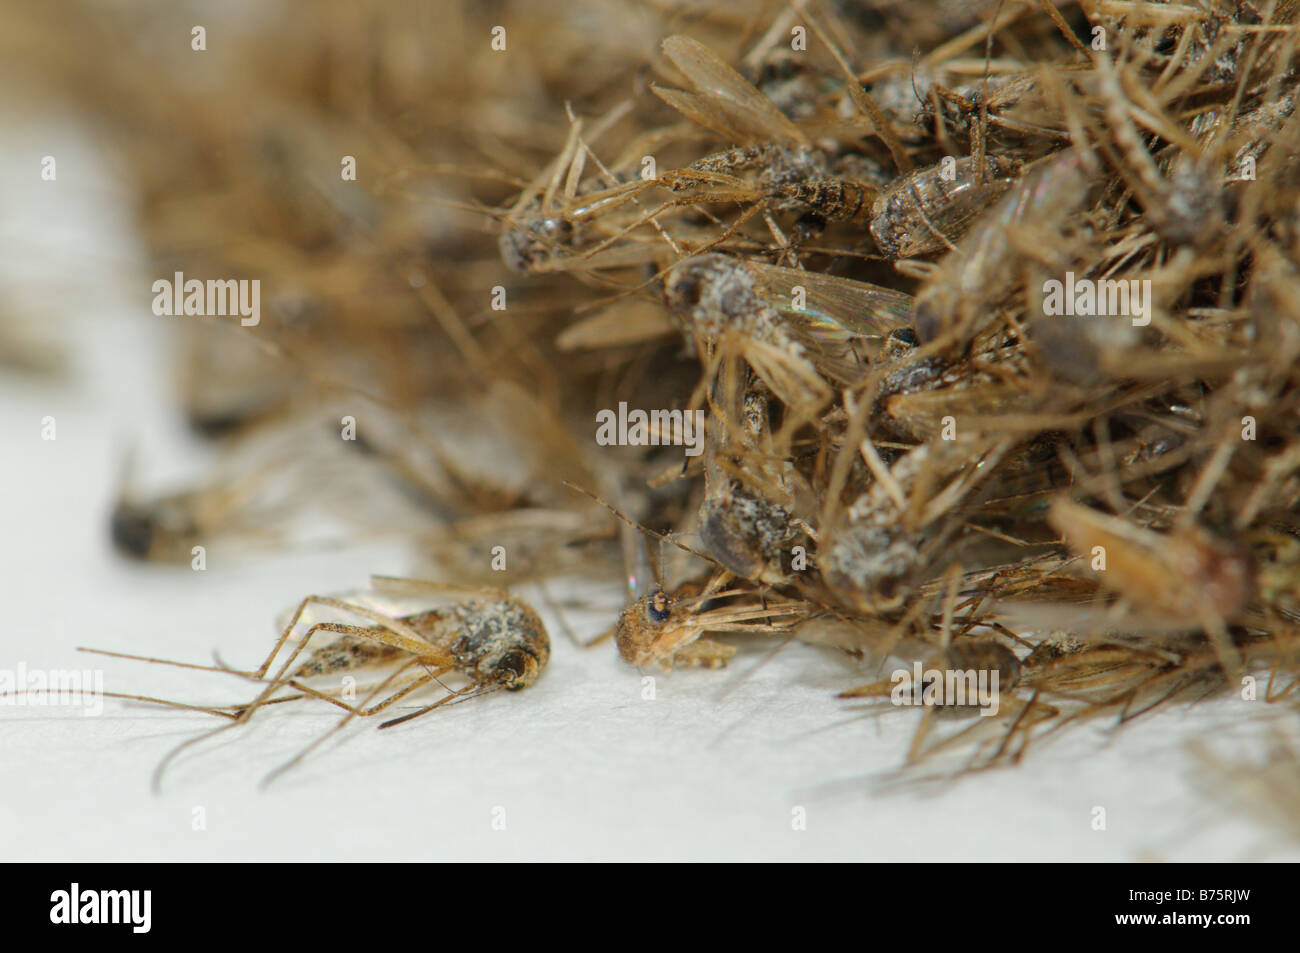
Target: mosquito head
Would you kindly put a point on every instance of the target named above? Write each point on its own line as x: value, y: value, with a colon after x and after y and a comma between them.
x: 900, y: 343
x: 132, y: 530
x: 649, y: 628
x: 659, y: 607
x: 685, y: 284
x: 158, y: 529
x: 519, y: 669
x: 867, y: 565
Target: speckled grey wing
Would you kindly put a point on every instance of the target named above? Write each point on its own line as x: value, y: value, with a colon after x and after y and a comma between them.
x: 959, y: 211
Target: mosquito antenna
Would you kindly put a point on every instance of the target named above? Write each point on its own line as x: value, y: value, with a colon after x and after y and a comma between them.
x: 446, y: 701
x: 551, y: 604
x: 662, y: 537
x: 980, y: 164
x: 443, y: 685
x: 916, y: 58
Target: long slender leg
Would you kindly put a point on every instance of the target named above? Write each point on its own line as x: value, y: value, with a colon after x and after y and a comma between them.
x: 405, y: 690
x: 403, y: 584
x: 361, y: 710
x: 423, y: 651
x: 393, y: 625
x: 240, y: 719
x: 414, y: 645
x: 162, y: 661
x: 225, y: 711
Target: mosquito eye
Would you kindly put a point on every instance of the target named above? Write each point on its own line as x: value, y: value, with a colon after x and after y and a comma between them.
x: 906, y: 336
x: 658, y: 609
x: 687, y: 289
x: 514, y: 669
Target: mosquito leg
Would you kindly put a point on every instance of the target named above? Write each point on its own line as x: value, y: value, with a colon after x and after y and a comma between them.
x: 418, y: 648
x: 162, y: 661
x: 922, y: 732
x: 705, y: 653
x: 787, y: 250
x: 405, y: 585
x: 649, y: 216
x: 225, y: 711
x: 394, y: 626
x: 359, y: 711
x: 733, y: 227
x: 448, y: 700
x: 246, y: 711
x: 385, y: 634
x: 1015, y: 726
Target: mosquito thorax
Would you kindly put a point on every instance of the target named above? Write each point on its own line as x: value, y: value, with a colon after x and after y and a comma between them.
x: 530, y: 243
x: 711, y: 292
x: 746, y: 533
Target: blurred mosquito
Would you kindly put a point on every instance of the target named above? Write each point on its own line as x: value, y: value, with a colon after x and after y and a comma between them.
x: 167, y: 527
x: 1184, y: 577
x: 958, y: 296
x: 793, y: 175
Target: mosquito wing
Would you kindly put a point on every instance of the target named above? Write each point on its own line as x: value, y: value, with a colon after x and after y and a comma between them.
x: 723, y: 101
x: 832, y: 310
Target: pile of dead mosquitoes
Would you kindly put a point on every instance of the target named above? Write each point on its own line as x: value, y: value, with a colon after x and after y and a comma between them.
x: 967, y: 338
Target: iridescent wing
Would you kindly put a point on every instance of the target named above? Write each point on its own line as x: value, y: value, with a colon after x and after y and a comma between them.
x: 832, y: 310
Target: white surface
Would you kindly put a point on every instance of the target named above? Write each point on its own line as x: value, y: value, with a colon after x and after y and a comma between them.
x: 584, y: 768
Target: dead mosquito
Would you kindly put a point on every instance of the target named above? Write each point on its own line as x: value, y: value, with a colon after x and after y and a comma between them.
x: 791, y: 326
x: 746, y: 520
x: 932, y: 207
x: 492, y: 642
x: 664, y: 628
x: 959, y: 296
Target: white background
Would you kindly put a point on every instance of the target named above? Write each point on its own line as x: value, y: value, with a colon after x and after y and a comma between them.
x: 581, y: 764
